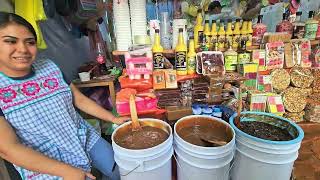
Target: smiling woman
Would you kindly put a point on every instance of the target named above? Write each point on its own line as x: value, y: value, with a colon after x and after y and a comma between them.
x: 41, y: 132
x: 18, y: 45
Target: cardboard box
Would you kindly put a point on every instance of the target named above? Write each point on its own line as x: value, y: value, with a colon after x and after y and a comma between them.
x: 159, y: 79
x: 177, y: 112
x: 171, y: 78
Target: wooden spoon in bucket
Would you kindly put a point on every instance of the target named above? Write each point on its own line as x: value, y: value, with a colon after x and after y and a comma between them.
x: 133, y: 112
x: 213, y: 141
x: 237, y: 118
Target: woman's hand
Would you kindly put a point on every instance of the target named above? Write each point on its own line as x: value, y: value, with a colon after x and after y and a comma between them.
x: 120, y: 120
x: 77, y: 174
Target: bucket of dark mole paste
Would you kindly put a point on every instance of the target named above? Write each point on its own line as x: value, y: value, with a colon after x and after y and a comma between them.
x: 267, y: 146
x: 144, y: 154
x: 197, y: 158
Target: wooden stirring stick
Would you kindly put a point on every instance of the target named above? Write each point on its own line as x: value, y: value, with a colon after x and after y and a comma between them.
x: 133, y: 112
x: 213, y: 141
x: 237, y: 120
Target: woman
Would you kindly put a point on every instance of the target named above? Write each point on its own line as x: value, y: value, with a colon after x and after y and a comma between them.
x: 41, y: 132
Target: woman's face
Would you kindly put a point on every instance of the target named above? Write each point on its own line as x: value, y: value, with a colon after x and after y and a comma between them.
x: 18, y: 50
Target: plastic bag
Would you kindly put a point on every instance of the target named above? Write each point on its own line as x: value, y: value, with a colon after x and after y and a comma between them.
x: 138, y: 84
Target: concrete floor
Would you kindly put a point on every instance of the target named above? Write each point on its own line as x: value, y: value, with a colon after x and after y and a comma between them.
x: 307, y: 166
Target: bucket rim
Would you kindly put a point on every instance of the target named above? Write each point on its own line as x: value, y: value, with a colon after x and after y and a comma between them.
x: 230, y: 143
x: 294, y: 141
x: 170, y: 137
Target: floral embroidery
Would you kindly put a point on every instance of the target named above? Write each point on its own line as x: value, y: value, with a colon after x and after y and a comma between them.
x: 7, y: 95
x: 30, y: 88
x: 51, y: 83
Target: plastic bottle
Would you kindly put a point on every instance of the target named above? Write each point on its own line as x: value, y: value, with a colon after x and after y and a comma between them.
x: 207, y: 33
x: 243, y: 31
x: 244, y: 56
x: 191, y: 58
x: 284, y: 25
x: 230, y: 59
x: 214, y: 34
x: 198, y: 27
x: 157, y: 52
x: 229, y: 34
x: 311, y: 27
x: 249, y: 33
x: 221, y: 36
x: 258, y: 31
x: 181, y: 55
x: 236, y: 34
x: 298, y: 27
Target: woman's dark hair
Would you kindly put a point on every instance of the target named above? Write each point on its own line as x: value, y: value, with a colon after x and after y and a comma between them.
x: 8, y: 18
x: 214, y: 4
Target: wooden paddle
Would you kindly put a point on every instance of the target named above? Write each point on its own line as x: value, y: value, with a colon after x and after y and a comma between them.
x: 134, y: 116
x: 213, y: 141
x: 237, y: 119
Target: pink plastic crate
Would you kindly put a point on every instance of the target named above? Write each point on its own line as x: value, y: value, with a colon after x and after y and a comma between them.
x: 142, y: 104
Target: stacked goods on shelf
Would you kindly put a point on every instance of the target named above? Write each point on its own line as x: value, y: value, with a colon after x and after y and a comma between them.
x: 280, y: 79
x: 257, y: 101
x: 295, y: 117
x: 275, y: 105
x: 301, y: 77
x: 169, y: 97
x: 200, y: 90
x: 312, y: 111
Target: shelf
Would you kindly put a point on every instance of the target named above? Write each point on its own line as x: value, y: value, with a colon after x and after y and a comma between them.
x: 119, y: 53
x: 171, y: 51
x: 314, y: 42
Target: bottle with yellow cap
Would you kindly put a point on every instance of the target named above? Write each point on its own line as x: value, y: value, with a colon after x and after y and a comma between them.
x: 236, y: 34
x: 198, y: 27
x: 229, y: 34
x: 243, y: 31
x: 181, y: 55
x: 157, y: 52
x: 207, y: 33
x: 214, y: 34
x: 191, y: 58
x: 249, y: 34
x: 221, y: 36
x: 230, y: 59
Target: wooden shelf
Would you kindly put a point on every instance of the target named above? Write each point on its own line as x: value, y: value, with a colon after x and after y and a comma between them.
x: 171, y: 51
x: 314, y: 42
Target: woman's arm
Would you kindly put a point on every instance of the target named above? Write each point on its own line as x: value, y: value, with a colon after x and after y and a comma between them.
x: 89, y: 106
x: 15, y: 152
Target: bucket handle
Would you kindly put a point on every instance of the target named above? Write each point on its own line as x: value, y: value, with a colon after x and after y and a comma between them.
x: 138, y: 165
x: 174, y: 155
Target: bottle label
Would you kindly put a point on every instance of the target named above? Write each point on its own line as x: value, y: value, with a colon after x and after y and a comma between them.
x: 231, y: 62
x: 235, y: 40
x: 181, y: 63
x: 311, y: 31
x: 298, y: 32
x: 249, y: 41
x: 208, y: 41
x: 158, y: 61
x: 200, y: 37
x: 228, y: 40
x: 243, y: 58
x: 191, y: 65
x: 221, y: 41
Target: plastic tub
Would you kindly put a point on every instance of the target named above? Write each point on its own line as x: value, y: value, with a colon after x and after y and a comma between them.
x: 262, y: 159
x: 145, y: 164
x: 205, y: 163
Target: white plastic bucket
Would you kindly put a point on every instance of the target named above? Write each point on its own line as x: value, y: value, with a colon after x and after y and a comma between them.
x: 203, y: 163
x: 145, y: 164
x: 261, y: 159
